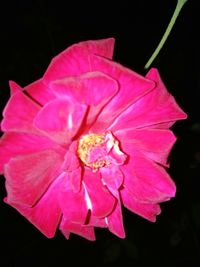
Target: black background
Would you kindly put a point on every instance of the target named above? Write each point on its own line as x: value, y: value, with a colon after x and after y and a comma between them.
x: 31, y: 33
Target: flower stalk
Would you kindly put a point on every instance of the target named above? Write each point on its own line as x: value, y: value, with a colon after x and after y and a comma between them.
x: 180, y: 4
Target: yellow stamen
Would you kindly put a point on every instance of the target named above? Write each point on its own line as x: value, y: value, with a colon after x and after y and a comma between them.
x: 88, y: 142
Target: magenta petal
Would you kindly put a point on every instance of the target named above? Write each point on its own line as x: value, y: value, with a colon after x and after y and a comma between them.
x: 28, y: 177
x: 71, y: 165
x: 90, y: 88
x: 156, y: 108
x: 101, y: 199
x: 73, y: 204
x: 39, y: 92
x: 46, y: 214
x: 75, y: 178
x: 115, y: 221
x: 171, y: 107
x: 145, y: 210
x: 146, y: 180
x: 67, y: 226
x: 132, y: 87
x: 112, y: 177
x: 94, y: 89
x: 19, y: 114
x: 71, y: 161
x: 156, y: 144
x: 75, y: 60
x: 97, y: 222
x: 15, y: 144
x: 14, y: 87
x: 60, y: 119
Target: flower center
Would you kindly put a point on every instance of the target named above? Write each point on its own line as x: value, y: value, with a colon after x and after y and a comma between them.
x: 100, y: 150
x: 92, y: 150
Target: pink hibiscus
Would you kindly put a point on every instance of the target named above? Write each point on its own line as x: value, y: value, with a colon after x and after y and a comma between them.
x: 85, y: 139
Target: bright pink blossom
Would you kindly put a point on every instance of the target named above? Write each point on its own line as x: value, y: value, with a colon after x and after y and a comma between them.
x: 85, y: 139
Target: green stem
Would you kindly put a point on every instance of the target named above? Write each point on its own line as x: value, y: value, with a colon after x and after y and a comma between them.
x: 180, y: 4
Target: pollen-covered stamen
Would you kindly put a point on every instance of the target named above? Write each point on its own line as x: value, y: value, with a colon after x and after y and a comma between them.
x: 91, y: 150
x: 100, y: 150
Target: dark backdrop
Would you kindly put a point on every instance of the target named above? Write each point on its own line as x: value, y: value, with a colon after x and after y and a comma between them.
x: 31, y: 33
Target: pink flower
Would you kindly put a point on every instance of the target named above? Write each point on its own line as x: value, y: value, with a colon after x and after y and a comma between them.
x: 85, y: 139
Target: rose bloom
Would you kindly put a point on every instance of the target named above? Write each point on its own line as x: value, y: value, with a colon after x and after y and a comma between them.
x: 87, y: 138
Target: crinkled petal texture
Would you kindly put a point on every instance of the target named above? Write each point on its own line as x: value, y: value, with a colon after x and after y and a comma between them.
x: 87, y: 138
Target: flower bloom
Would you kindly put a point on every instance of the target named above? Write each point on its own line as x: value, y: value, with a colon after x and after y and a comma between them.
x: 85, y: 139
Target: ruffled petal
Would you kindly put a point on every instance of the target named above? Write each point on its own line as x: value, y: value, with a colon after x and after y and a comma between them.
x: 112, y: 177
x: 147, y: 181
x: 101, y: 199
x: 157, y: 108
x: 75, y: 60
x: 60, y: 119
x: 15, y: 144
x: 19, y: 114
x: 85, y: 231
x: 46, y: 214
x: 28, y: 177
x: 73, y: 204
x: 132, y: 87
x: 156, y: 144
x: 146, y: 210
x: 94, y: 89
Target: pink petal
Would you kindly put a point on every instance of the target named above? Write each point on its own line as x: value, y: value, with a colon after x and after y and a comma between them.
x: 156, y: 144
x: 94, y: 89
x: 115, y: 221
x: 60, y: 119
x: 14, y: 87
x: 176, y: 111
x: 112, y: 177
x: 71, y: 165
x: 75, y: 178
x: 155, y: 108
x: 90, y: 88
x: 145, y: 210
x: 97, y: 222
x: 28, y: 177
x: 15, y: 144
x: 85, y: 231
x: 19, y: 114
x: 73, y: 204
x: 132, y: 87
x: 71, y: 161
x: 102, y: 201
x: 39, y: 92
x: 75, y: 60
x: 146, y: 180
x: 46, y: 214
